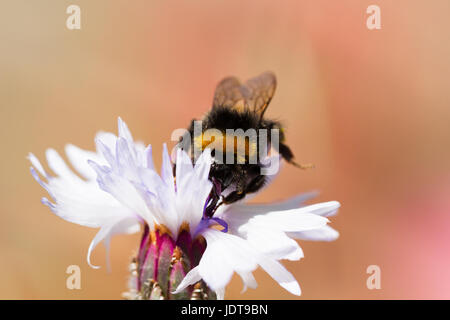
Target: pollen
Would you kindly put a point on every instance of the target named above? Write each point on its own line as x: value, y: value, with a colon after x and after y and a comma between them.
x: 241, y: 146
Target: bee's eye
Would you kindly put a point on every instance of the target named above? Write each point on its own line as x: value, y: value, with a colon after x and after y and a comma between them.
x: 213, y: 152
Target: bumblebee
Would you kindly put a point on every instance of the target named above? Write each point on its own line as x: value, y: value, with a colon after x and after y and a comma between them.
x: 237, y: 106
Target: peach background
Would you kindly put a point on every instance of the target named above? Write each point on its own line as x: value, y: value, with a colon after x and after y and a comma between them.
x: 369, y: 108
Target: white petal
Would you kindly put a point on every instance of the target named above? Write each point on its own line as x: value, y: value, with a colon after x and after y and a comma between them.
x: 224, y: 254
x: 184, y: 170
x: 281, y: 275
x: 107, y: 138
x: 159, y: 198
x: 241, y: 218
x: 78, y: 201
x: 149, y: 157
x: 43, y: 185
x: 79, y: 160
x: 85, y: 205
x: 107, y: 153
x: 291, y: 203
x: 193, y: 188
x: 326, y: 209
x: 127, y: 165
x: 140, y: 152
x: 166, y: 169
x: 122, y: 190
x: 246, y: 211
x: 57, y: 164
x: 275, y: 244
x: 124, y: 132
x: 203, y: 164
x: 191, y: 278
x: 200, y: 195
x: 124, y: 156
x: 83, y: 202
x: 326, y: 233
x: 151, y: 180
x: 37, y: 164
x: 290, y: 220
x: 248, y: 280
x: 121, y: 225
x: 220, y: 294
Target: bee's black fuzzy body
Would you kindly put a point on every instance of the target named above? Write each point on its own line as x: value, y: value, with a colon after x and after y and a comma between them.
x: 235, y: 107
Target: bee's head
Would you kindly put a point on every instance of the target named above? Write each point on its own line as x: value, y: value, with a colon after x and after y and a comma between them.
x: 222, y: 174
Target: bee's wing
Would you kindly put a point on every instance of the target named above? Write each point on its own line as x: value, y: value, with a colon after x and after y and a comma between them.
x: 254, y: 95
x: 228, y: 93
x: 258, y: 92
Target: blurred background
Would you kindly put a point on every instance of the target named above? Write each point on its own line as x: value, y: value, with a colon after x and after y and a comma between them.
x: 371, y: 109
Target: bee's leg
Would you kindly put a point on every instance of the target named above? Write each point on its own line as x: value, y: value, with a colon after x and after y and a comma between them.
x: 214, y: 198
x: 287, y: 155
x: 284, y: 150
x: 234, y: 196
x: 240, y: 191
x: 256, y: 184
x: 213, y: 205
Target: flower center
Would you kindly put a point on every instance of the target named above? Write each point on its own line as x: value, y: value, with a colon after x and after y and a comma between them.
x: 162, y: 263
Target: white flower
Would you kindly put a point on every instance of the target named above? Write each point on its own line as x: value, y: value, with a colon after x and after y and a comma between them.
x: 121, y: 191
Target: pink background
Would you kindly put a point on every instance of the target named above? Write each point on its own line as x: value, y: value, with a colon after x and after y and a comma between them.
x: 369, y: 108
